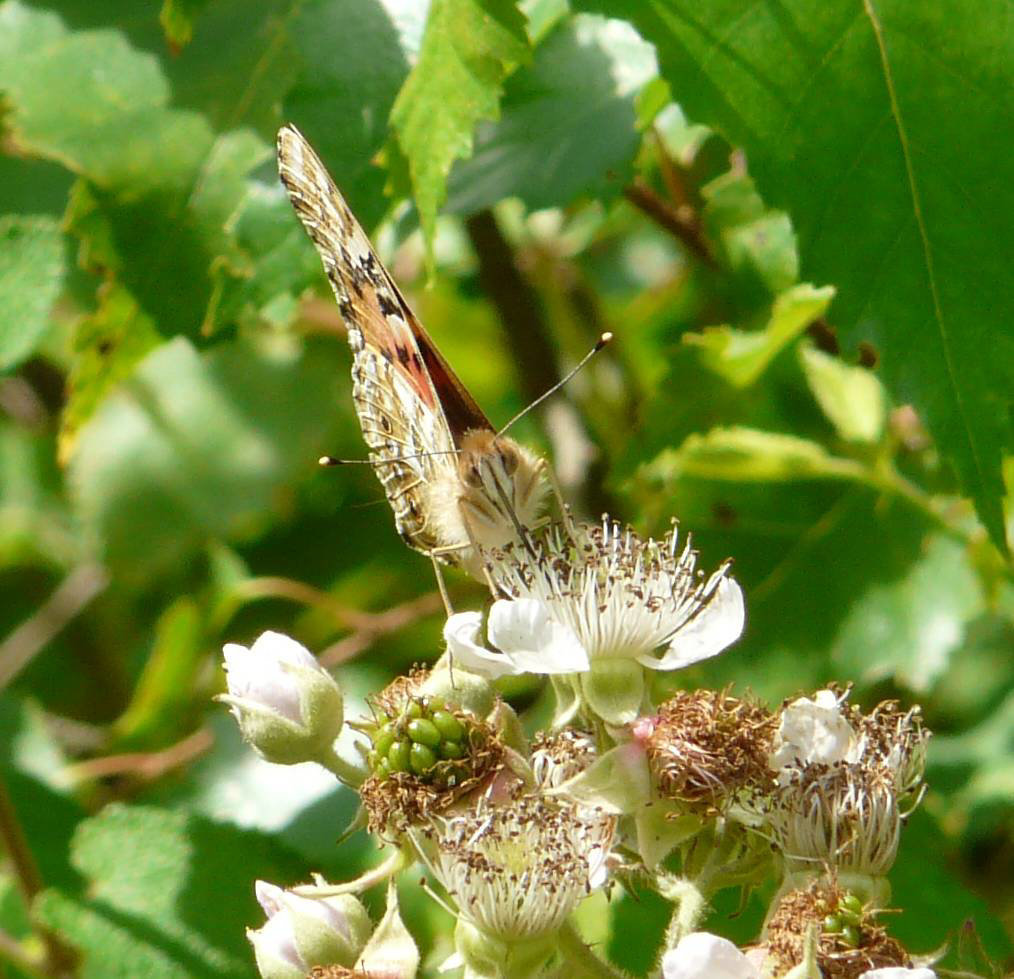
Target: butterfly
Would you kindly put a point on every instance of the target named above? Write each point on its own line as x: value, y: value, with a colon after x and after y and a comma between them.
x: 455, y: 486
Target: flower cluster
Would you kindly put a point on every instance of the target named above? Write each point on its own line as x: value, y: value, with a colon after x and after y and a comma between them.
x: 514, y: 832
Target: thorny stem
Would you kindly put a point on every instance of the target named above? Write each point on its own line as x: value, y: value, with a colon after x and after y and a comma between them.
x: 669, y: 217
x: 582, y: 963
x: 57, y: 960
x: 690, y: 905
x: 394, y: 864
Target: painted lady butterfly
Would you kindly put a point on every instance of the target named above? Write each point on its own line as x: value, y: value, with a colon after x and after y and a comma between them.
x: 452, y: 482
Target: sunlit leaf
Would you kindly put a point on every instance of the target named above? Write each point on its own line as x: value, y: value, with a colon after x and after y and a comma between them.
x: 741, y: 356
x: 164, y: 898
x: 748, y: 455
x: 907, y: 629
x: 31, y: 273
x: 851, y: 397
x: 163, y: 690
x: 469, y: 48
x: 849, y: 116
x: 568, y: 121
x: 177, y: 19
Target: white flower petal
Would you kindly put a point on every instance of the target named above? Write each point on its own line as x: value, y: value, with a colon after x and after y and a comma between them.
x: 276, y: 941
x: 704, y: 956
x: 525, y: 631
x: 279, y: 648
x: 269, y: 897
x: 255, y: 675
x: 460, y: 632
x: 813, y: 732
x: 716, y: 626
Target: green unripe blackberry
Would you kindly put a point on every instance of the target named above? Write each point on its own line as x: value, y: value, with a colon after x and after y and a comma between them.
x: 398, y: 756
x: 448, y: 725
x: 452, y: 750
x: 422, y: 758
x: 832, y: 924
x: 417, y: 723
x: 423, y: 731
x: 385, y: 737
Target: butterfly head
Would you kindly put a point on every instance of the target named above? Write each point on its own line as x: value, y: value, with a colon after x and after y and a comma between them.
x: 501, y: 486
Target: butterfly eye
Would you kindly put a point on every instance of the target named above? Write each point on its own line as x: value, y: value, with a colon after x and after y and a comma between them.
x: 471, y: 475
x: 509, y: 458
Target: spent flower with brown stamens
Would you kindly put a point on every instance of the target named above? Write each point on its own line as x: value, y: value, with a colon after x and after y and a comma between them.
x: 707, y: 748
x: 845, y: 782
x: 850, y: 943
x: 516, y: 871
x: 561, y: 755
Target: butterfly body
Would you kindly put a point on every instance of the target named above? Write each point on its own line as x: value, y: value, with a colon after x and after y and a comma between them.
x: 451, y: 481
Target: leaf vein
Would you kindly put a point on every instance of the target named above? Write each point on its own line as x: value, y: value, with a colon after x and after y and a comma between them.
x: 959, y: 397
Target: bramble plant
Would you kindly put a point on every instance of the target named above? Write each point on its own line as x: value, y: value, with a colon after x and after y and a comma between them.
x: 667, y: 710
x: 514, y: 833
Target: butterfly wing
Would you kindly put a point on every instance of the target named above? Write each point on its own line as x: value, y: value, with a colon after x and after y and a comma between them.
x: 412, y: 408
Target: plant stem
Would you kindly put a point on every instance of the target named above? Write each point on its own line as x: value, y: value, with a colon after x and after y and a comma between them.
x: 394, y: 864
x: 344, y: 771
x: 690, y: 905
x: 14, y: 952
x: 58, y: 960
x: 582, y: 963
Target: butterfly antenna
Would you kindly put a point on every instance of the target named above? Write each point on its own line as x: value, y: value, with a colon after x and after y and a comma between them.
x: 333, y: 461
x: 600, y: 343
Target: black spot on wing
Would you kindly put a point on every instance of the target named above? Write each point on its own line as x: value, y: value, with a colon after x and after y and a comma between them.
x: 388, y: 306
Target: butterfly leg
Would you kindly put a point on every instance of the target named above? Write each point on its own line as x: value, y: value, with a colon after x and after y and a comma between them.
x: 441, y: 584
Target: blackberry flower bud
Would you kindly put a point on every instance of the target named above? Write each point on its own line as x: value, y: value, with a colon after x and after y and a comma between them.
x: 302, y: 932
x: 289, y: 708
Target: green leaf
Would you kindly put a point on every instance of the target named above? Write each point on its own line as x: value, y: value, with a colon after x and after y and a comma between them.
x: 109, y: 343
x: 194, y: 447
x: 741, y: 357
x: 31, y: 274
x: 177, y: 19
x: 353, y: 63
x: 755, y: 242
x: 168, y: 895
x: 162, y: 196
x: 748, y: 455
x: 468, y: 49
x: 937, y: 905
x: 882, y: 128
x: 851, y: 397
x: 95, y: 104
x: 163, y: 692
x: 568, y: 121
x: 909, y: 628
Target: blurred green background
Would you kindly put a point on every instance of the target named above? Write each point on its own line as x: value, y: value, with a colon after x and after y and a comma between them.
x: 795, y: 220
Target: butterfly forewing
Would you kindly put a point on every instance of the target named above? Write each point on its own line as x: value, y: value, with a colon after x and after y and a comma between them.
x: 412, y: 408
